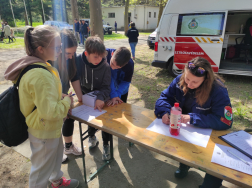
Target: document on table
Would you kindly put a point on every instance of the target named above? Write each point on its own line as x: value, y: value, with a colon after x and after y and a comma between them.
x: 240, y: 140
x: 222, y: 157
x: 86, y: 113
x: 188, y: 133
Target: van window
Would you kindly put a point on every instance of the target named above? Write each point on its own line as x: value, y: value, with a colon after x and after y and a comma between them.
x: 210, y: 24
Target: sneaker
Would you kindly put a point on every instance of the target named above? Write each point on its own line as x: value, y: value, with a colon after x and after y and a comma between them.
x: 71, y: 183
x: 73, y: 150
x: 182, y: 171
x: 106, y: 153
x: 64, y: 158
x: 92, y: 141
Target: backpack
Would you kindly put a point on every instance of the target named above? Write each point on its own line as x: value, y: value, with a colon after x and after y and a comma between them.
x: 13, y: 128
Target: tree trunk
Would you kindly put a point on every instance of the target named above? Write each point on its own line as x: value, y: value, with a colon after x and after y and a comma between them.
x: 96, y: 25
x: 126, y: 22
x: 161, y: 7
x: 26, y: 20
x: 29, y: 11
x: 75, y: 13
x: 42, y: 12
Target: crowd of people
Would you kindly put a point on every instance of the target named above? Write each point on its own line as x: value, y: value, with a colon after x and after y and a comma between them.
x: 201, y: 93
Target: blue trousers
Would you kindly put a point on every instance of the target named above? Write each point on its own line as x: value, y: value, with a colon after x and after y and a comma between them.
x: 133, y: 48
x: 81, y: 36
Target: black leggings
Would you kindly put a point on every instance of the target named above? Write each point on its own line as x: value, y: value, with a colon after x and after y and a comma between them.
x: 105, y: 136
x: 68, y: 127
x: 10, y: 38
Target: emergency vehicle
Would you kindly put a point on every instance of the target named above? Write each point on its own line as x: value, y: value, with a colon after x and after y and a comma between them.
x: 206, y: 28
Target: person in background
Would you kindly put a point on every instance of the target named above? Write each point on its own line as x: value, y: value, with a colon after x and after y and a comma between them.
x: 7, y: 31
x: 204, y: 101
x: 80, y: 23
x: 76, y: 29
x: 133, y: 34
x: 83, y: 32
x: 95, y: 75
x: 42, y: 88
x: 115, y: 27
x: 2, y: 26
x: 66, y: 67
x: 12, y: 35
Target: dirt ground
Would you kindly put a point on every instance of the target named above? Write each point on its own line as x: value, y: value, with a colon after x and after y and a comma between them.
x: 15, y: 168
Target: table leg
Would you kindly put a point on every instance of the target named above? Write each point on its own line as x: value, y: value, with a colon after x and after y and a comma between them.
x: 83, y: 154
x: 111, y: 148
x: 131, y: 144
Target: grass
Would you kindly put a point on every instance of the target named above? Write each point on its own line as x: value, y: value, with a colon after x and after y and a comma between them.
x: 148, y: 82
x: 19, y: 43
x: 114, y: 36
x: 145, y: 33
x: 22, y: 24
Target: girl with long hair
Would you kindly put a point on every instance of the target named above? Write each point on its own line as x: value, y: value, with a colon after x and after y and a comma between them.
x: 205, y: 103
x: 42, y: 89
x: 65, y: 64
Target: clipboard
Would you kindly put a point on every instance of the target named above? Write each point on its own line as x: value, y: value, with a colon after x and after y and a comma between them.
x: 240, y: 140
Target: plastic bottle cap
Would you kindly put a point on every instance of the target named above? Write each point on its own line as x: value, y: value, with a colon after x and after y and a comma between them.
x: 176, y: 104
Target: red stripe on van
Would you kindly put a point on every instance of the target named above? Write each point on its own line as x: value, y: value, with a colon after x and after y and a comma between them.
x: 162, y: 39
x: 184, y: 39
x: 171, y: 39
x: 167, y: 39
x: 215, y: 69
x: 185, y: 52
x: 180, y: 66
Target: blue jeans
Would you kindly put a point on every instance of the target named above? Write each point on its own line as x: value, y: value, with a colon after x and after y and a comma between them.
x: 81, y: 38
x: 133, y: 47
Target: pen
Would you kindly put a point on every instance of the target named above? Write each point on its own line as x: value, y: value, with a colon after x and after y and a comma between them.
x: 72, y: 95
x: 238, y: 158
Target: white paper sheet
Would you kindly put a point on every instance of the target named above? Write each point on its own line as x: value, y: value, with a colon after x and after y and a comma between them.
x: 240, y: 139
x: 222, y: 157
x: 86, y: 113
x: 188, y: 133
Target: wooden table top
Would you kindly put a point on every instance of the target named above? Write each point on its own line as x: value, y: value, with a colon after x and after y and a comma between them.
x: 129, y: 122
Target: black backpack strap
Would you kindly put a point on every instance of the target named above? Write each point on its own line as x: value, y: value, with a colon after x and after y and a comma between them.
x: 26, y: 69
x: 29, y: 67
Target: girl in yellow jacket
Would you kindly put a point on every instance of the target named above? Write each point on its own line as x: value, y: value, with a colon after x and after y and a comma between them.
x: 41, y: 88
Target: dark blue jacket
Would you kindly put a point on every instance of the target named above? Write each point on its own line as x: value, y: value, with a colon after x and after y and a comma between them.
x: 132, y: 34
x: 84, y: 29
x: 210, y: 115
x: 77, y: 27
x: 120, y: 78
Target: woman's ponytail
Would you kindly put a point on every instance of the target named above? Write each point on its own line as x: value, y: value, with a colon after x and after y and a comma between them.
x: 29, y: 48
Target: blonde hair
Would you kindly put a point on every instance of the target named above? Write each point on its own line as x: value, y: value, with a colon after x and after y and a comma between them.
x: 39, y: 36
x: 203, y: 91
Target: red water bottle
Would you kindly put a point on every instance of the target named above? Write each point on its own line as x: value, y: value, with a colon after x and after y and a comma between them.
x: 175, y: 119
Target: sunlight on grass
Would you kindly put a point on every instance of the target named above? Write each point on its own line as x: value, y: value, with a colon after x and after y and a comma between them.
x: 34, y: 24
x: 143, y: 33
x: 19, y: 43
x: 114, y: 36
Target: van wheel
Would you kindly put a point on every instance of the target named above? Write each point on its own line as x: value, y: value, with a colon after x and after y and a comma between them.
x: 173, y: 72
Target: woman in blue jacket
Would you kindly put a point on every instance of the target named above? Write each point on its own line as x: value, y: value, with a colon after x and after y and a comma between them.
x: 204, y: 101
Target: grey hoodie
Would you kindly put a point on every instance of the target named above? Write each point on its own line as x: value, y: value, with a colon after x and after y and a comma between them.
x: 91, y: 79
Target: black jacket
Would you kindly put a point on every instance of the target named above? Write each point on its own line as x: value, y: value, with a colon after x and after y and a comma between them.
x: 132, y: 34
x: 84, y: 29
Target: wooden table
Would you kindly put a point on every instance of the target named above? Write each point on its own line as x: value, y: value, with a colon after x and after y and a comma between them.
x: 129, y: 122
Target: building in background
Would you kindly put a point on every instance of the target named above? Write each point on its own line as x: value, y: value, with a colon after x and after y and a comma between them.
x: 145, y: 17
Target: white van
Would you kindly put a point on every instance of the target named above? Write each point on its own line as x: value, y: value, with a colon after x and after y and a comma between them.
x: 206, y: 28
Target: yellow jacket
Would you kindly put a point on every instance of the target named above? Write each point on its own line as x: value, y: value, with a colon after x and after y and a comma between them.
x: 43, y: 88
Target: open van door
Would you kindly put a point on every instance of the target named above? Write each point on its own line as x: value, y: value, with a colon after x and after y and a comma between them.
x: 199, y: 34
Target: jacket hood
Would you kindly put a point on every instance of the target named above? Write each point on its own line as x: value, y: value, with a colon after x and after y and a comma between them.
x: 15, y: 68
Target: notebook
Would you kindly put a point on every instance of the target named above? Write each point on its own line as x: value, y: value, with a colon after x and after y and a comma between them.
x: 240, y: 140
